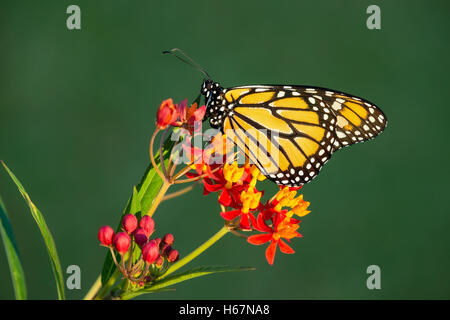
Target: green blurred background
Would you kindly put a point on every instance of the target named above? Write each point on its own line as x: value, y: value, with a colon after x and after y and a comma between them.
x: 77, y: 109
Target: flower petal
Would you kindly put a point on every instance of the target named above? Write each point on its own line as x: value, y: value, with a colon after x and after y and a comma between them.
x: 270, y: 252
x: 294, y: 221
x: 252, y: 219
x: 225, y: 198
x: 211, y: 187
x: 261, y: 225
x: 199, y: 113
x: 182, y: 108
x: 212, y: 175
x: 285, y: 248
x: 244, y: 224
x: 258, y: 239
x: 230, y: 215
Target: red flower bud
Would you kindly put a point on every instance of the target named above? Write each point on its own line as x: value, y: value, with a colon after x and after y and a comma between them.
x: 150, y: 252
x: 122, y: 242
x: 129, y: 223
x: 159, y: 262
x: 141, y: 237
x: 148, y: 224
x: 167, y: 113
x: 158, y: 241
x: 165, y: 249
x: 168, y: 238
x: 172, y: 256
x: 105, y: 235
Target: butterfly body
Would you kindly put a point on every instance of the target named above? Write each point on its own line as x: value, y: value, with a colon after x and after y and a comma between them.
x: 290, y: 131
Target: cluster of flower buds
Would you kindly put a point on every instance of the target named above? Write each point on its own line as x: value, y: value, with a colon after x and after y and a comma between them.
x: 141, y: 258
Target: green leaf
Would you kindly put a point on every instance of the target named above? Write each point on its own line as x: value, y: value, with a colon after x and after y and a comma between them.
x: 147, y: 190
x: 46, y: 235
x: 183, y: 276
x: 12, y: 254
x: 152, y: 182
x: 133, y: 294
x: 135, y: 205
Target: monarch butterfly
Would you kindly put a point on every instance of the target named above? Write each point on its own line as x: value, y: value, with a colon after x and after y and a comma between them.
x: 288, y: 131
x: 311, y: 123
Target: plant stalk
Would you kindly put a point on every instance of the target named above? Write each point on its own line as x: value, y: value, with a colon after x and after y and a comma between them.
x: 177, y: 265
x: 159, y: 197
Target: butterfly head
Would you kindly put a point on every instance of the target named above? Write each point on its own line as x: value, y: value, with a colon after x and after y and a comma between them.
x: 210, y: 89
x: 213, y: 97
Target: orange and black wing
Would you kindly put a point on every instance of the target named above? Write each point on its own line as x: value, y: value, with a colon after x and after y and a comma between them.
x: 290, y: 132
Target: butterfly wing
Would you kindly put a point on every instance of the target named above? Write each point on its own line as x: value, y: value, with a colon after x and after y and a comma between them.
x: 290, y: 132
x: 358, y: 120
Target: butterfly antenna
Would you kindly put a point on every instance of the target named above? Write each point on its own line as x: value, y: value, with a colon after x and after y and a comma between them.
x: 178, y: 53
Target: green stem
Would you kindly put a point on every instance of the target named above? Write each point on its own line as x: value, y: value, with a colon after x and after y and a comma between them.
x: 107, y: 288
x: 94, y: 289
x: 159, y: 197
x: 97, y: 291
x: 177, y: 265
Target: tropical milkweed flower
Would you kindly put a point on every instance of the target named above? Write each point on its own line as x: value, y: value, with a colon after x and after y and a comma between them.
x: 249, y: 201
x: 167, y: 114
x: 228, y: 181
x: 301, y: 207
x: 282, y: 228
x: 236, y: 188
x: 190, y: 117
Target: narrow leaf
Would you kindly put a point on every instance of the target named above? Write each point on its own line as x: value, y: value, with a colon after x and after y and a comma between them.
x: 132, y: 294
x: 46, y: 235
x: 152, y: 182
x: 135, y: 205
x: 183, y: 276
x: 12, y: 254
